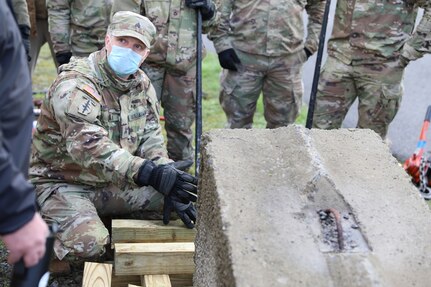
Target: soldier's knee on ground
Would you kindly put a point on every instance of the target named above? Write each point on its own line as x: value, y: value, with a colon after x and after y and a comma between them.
x: 87, y: 239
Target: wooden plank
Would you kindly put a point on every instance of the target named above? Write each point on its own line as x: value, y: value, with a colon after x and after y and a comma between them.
x: 124, y: 281
x: 134, y: 231
x: 181, y: 280
x: 154, y: 258
x: 97, y: 275
x: 155, y: 281
x: 177, y: 280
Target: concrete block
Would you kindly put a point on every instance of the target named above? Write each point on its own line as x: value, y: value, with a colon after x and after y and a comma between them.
x: 272, y: 202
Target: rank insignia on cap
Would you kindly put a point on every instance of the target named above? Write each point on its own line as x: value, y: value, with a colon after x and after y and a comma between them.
x: 86, y: 107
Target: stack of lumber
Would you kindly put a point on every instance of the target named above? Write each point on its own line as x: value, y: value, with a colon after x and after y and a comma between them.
x: 147, y: 253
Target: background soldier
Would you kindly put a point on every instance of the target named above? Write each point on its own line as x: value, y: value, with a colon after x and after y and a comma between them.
x: 77, y: 27
x: 98, y: 147
x: 260, y: 44
x: 39, y: 34
x: 22, y: 18
x: 22, y: 229
x: 370, y: 46
x: 171, y: 64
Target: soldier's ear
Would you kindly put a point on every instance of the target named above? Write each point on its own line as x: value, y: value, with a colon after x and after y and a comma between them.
x: 108, y: 44
x: 147, y: 52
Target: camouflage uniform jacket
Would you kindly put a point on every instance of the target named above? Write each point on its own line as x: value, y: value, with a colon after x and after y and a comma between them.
x: 78, y: 26
x: 95, y: 128
x: 367, y: 32
x: 175, y: 46
x: 268, y: 28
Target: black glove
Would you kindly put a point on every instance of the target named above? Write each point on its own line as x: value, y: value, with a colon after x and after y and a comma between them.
x: 63, y: 57
x: 228, y: 59
x: 186, y: 212
x: 169, y: 181
x: 25, y: 35
x: 307, y: 52
x: 183, y: 165
x: 207, y: 7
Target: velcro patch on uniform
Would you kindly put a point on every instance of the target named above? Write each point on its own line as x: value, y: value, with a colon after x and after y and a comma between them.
x: 91, y: 92
x: 86, y: 107
x: 83, y: 106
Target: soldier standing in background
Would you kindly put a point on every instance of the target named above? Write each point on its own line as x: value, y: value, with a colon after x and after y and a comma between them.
x: 171, y: 65
x: 77, y: 27
x: 39, y: 34
x: 98, y: 148
x: 370, y: 46
x: 261, y: 46
x: 22, y: 18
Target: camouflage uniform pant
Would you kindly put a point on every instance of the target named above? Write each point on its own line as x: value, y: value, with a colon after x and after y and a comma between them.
x: 177, y: 94
x: 278, y: 78
x: 76, y: 209
x: 378, y: 88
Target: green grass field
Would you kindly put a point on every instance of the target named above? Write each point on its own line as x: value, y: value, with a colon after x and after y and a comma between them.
x: 212, y: 114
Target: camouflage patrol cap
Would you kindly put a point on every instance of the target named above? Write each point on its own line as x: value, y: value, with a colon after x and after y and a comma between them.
x: 126, y: 23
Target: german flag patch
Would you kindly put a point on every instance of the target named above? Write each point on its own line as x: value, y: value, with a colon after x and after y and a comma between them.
x: 87, y: 89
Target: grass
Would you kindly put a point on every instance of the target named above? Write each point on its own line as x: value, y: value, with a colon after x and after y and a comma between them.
x: 212, y: 113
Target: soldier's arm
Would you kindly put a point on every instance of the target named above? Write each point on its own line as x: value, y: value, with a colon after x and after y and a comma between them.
x: 59, y: 24
x: 152, y: 146
x: 126, y: 5
x: 420, y: 42
x: 20, y: 10
x: 219, y: 33
x: 210, y: 24
x: 77, y: 112
x: 315, y: 10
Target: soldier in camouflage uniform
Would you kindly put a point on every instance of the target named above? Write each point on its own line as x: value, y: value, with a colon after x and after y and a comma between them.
x: 98, y: 147
x: 371, y: 44
x: 172, y: 61
x: 39, y: 34
x: 22, y: 17
x: 77, y: 27
x: 261, y: 46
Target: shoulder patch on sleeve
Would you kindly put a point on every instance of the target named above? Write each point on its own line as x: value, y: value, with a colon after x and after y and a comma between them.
x: 87, y: 89
x: 83, y: 106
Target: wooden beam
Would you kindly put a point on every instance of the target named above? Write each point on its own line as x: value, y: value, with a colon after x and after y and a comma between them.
x: 135, y: 231
x: 181, y: 280
x: 155, y: 281
x: 177, y: 280
x: 97, y: 275
x: 154, y: 258
x: 123, y: 281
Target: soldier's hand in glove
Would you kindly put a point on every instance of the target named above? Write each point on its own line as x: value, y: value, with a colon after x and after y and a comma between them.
x: 207, y: 7
x: 63, y: 57
x: 228, y: 59
x: 168, y: 180
x: 186, y: 212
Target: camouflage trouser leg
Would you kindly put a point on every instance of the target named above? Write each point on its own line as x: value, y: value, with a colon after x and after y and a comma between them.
x: 177, y: 95
x: 378, y: 88
x: 278, y: 78
x: 76, y: 209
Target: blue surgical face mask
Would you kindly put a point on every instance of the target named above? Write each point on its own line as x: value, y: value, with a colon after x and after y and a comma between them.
x: 124, y: 61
